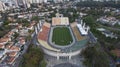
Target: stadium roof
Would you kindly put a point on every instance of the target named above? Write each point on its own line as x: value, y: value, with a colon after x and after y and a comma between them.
x: 81, y: 29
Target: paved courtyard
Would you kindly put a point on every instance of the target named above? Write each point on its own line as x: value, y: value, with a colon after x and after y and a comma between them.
x: 76, y: 61
x: 66, y: 65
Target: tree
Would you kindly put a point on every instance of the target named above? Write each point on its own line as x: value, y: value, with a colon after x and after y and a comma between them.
x: 98, y: 4
x: 33, y: 57
x: 25, y: 22
x: 43, y: 63
x: 95, y: 57
x: 6, y: 22
x: 89, y: 20
x: 35, y: 18
x: 16, y: 35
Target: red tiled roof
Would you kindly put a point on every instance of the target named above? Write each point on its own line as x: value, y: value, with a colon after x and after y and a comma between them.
x: 15, y: 48
x: 2, y: 45
x: 13, y: 54
x: 9, y: 45
x: 5, y: 39
x: 9, y: 34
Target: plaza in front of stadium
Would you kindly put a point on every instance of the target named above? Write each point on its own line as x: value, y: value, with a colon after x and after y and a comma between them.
x: 61, y: 38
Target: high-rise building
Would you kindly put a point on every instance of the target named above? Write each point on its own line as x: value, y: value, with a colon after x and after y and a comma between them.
x: 97, y: 0
x: 2, y: 6
x: 37, y: 1
x: 9, y: 2
x: 57, y: 1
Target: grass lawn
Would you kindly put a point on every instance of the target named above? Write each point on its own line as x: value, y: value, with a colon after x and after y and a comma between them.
x: 62, y: 36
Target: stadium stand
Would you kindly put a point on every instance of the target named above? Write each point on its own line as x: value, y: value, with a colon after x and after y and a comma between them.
x: 78, y: 45
x: 82, y: 30
x: 43, y: 37
x: 60, y: 21
x: 76, y: 32
x: 73, y: 24
x: 47, y: 46
x: 56, y: 21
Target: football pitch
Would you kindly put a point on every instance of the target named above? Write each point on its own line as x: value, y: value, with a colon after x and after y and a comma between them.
x: 62, y: 36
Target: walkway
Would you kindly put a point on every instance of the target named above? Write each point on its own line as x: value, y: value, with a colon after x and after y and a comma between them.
x: 66, y: 65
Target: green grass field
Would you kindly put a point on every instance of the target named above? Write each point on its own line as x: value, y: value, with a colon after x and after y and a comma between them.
x: 62, y: 36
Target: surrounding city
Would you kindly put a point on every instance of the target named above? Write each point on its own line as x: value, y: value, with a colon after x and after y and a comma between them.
x: 59, y: 33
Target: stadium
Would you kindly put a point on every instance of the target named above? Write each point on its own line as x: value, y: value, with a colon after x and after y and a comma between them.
x: 62, y: 39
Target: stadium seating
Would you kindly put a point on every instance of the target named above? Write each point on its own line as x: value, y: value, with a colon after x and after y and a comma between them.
x: 43, y: 37
x: 76, y: 32
x: 47, y: 46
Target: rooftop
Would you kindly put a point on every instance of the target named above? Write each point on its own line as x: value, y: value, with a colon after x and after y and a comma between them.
x: 14, y: 48
x: 82, y: 30
x: 2, y: 45
x: 5, y: 39
x: 13, y: 54
x: 116, y: 52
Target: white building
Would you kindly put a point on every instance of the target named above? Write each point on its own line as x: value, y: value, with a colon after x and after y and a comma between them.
x: 37, y: 1
x: 108, y: 20
x: 82, y: 28
x: 10, y: 3
x: 2, y: 5
x: 58, y: 1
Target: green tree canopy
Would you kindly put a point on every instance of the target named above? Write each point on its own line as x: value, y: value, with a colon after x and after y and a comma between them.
x: 33, y: 57
x: 94, y: 57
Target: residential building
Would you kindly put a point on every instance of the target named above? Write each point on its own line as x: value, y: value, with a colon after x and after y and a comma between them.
x: 108, y: 20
